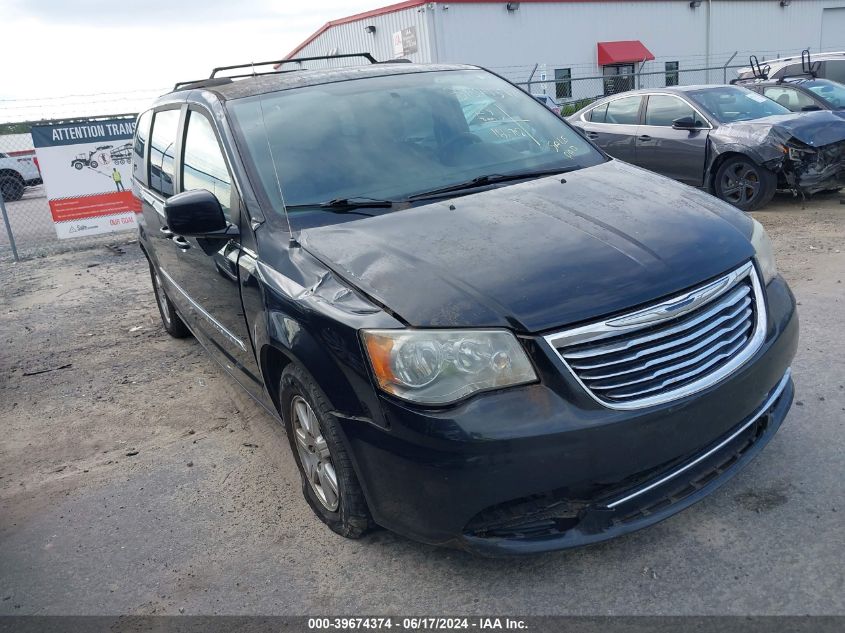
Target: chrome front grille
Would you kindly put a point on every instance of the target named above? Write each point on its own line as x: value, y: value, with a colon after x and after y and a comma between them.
x: 670, y: 349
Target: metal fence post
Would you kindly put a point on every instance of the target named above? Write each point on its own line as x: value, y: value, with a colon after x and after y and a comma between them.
x: 531, y: 76
x: 8, y: 228
x: 725, y: 68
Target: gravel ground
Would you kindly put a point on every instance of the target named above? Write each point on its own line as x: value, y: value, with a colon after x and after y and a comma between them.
x: 135, y: 477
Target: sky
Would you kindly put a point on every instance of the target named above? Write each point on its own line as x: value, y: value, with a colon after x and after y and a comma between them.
x: 69, y: 56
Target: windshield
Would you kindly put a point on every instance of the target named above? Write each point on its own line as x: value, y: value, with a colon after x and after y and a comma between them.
x: 395, y: 136
x: 831, y: 92
x: 730, y: 103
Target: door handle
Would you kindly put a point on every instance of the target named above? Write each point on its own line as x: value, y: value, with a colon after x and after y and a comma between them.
x: 165, y: 231
x: 181, y: 242
x: 592, y: 135
x: 644, y: 137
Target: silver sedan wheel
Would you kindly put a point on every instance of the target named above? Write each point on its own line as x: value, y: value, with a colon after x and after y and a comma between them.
x: 162, y: 298
x: 314, y: 453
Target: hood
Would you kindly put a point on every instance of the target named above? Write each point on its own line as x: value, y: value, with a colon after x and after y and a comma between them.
x: 540, y: 254
x: 767, y: 135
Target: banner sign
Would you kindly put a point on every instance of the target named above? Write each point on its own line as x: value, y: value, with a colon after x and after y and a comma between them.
x: 405, y: 42
x: 87, y: 170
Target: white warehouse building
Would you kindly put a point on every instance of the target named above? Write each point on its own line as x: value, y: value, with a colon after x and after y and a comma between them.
x: 573, y: 49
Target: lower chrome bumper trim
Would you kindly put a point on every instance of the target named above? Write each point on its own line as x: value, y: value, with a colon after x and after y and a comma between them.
x: 675, y: 473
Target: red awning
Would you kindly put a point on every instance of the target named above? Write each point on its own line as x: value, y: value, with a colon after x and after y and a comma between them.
x: 623, y: 52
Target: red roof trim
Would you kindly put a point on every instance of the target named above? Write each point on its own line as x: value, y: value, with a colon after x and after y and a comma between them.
x: 622, y: 52
x: 399, y: 6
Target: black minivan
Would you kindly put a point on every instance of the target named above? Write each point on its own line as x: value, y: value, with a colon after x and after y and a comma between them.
x: 478, y: 329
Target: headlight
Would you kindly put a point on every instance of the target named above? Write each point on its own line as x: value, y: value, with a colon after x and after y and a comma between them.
x: 765, y: 253
x: 441, y: 366
x: 798, y: 154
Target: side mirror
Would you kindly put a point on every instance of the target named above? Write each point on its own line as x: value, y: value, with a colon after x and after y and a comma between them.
x: 685, y: 123
x: 197, y: 214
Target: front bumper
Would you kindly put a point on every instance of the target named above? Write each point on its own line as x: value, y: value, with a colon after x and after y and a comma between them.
x: 824, y: 172
x: 544, y: 467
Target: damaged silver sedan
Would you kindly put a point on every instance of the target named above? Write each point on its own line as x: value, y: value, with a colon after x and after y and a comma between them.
x: 739, y: 145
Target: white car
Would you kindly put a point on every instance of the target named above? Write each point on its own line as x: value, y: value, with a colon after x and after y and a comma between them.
x: 830, y: 66
x: 16, y: 173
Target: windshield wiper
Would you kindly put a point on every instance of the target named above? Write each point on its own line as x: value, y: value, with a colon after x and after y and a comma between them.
x: 492, y: 179
x: 345, y: 205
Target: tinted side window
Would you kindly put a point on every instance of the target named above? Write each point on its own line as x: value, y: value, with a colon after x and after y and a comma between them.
x: 624, y: 111
x: 790, y: 69
x: 203, y: 165
x: 834, y: 69
x: 142, y: 133
x: 597, y: 115
x: 162, y: 151
x: 663, y: 109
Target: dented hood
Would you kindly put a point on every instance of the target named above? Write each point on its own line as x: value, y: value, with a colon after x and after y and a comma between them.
x: 540, y: 254
x: 766, y: 136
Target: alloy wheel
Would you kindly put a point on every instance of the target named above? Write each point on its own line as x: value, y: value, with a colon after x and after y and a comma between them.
x: 314, y: 453
x: 740, y: 184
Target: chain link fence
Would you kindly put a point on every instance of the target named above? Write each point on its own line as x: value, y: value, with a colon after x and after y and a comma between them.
x: 575, y: 93
x: 27, y: 228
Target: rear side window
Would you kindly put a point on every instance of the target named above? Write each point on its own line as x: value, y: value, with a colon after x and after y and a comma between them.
x: 163, y: 151
x: 142, y: 133
x: 624, y: 111
x: 663, y: 109
x: 203, y: 166
x: 789, y: 98
x: 597, y: 115
x: 787, y: 71
x: 834, y: 69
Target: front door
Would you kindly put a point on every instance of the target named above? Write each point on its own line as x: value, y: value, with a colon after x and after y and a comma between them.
x: 678, y: 154
x: 202, y: 274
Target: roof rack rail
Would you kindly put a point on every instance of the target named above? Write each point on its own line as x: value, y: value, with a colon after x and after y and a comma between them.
x: 278, y: 62
x: 201, y: 83
x: 808, y: 68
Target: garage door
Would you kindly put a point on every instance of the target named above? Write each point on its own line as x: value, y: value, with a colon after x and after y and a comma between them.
x: 833, y: 29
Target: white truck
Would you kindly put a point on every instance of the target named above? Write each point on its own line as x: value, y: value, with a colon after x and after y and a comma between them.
x: 17, y: 171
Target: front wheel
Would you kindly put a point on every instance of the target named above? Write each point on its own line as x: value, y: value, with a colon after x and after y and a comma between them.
x: 329, y: 482
x: 12, y: 188
x: 745, y: 184
x: 172, y: 322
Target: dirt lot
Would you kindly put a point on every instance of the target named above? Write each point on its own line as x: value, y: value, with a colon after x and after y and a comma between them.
x: 135, y: 477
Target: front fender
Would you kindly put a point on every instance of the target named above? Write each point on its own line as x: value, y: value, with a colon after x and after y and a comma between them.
x: 310, y: 318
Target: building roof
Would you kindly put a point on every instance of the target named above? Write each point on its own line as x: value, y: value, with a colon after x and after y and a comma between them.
x: 410, y: 4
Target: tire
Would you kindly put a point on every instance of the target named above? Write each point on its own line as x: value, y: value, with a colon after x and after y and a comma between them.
x: 340, y: 506
x: 172, y: 322
x: 77, y: 164
x: 93, y: 164
x: 744, y: 184
x: 11, y: 186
